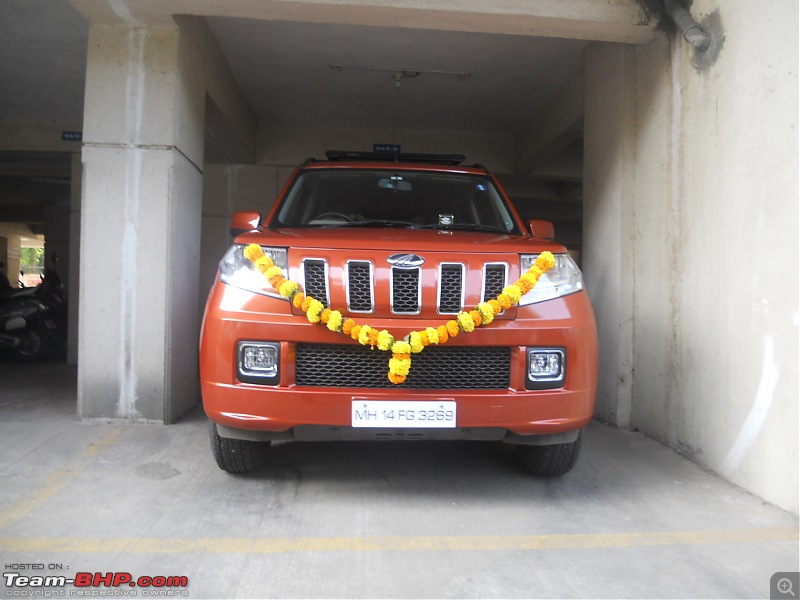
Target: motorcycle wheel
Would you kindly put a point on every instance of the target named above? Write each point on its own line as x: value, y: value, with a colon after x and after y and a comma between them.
x: 32, y: 346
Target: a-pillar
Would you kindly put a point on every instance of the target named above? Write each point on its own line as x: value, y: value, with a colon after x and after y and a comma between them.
x: 140, y: 225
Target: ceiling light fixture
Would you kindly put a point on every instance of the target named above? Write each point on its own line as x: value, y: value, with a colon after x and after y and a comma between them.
x: 399, y: 73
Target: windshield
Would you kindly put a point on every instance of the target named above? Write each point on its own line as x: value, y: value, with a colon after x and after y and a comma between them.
x: 386, y: 198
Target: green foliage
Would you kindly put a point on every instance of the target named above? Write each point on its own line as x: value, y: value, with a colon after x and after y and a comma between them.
x: 31, y: 257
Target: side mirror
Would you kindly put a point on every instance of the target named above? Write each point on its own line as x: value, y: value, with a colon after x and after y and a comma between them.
x: 243, y: 221
x: 542, y: 229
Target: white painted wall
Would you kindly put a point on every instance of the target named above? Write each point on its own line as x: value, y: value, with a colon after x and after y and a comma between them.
x: 691, y: 196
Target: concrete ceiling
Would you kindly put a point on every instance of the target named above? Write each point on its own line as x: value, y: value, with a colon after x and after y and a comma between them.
x: 347, y: 75
x: 337, y: 74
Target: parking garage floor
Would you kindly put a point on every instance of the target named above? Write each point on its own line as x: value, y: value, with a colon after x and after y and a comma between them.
x: 360, y: 520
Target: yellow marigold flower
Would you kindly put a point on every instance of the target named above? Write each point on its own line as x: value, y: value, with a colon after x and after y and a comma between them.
x: 347, y: 326
x: 315, y: 308
x: 466, y: 322
x: 335, y: 320
x: 416, y: 342
x: 495, y: 306
x: 452, y: 328
x: 396, y: 379
x: 273, y: 271
x: 487, y: 312
x: 545, y: 261
x: 423, y: 337
x: 253, y: 252
x: 385, y: 340
x: 504, y: 301
x: 363, y: 335
x: 263, y: 264
x: 287, y: 289
x: 443, y: 335
x: 326, y: 314
x: 400, y: 366
x: 401, y: 347
x: 534, y: 272
x: 513, y: 292
x: 433, y: 335
x: 298, y: 299
x: 355, y: 332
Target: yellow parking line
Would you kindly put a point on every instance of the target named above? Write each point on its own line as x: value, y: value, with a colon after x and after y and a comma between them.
x: 60, y: 479
x: 397, y: 543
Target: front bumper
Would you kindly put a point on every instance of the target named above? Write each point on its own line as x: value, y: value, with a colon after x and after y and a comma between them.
x: 290, y: 411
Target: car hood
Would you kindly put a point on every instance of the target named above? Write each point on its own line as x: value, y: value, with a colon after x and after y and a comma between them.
x: 399, y: 239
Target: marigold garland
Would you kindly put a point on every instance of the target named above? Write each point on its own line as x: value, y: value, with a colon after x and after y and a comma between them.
x: 416, y: 341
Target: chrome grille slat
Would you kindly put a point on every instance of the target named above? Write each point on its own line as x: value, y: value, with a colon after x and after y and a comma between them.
x: 315, y: 276
x: 438, y: 367
x: 451, y: 288
x: 494, y: 280
x: 406, y: 290
x: 359, y: 287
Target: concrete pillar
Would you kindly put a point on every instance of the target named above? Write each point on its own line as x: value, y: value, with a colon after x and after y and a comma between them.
x: 608, y: 210
x: 140, y: 225
x: 73, y: 278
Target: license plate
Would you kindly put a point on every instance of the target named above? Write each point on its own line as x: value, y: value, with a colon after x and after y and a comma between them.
x: 405, y: 414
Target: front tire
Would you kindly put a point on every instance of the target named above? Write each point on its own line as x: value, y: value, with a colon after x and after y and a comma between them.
x: 552, y: 460
x: 237, y: 456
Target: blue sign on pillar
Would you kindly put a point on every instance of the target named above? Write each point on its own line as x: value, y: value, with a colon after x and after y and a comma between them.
x: 71, y: 136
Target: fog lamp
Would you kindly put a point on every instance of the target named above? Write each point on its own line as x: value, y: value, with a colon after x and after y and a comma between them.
x: 259, y: 362
x: 546, y: 368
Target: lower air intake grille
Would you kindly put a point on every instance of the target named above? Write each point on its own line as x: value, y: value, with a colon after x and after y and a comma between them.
x: 453, y: 367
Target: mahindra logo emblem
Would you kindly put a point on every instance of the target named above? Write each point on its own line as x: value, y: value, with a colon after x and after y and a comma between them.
x: 405, y: 260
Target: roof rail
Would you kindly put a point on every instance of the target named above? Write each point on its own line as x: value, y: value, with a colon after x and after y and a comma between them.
x: 440, y: 159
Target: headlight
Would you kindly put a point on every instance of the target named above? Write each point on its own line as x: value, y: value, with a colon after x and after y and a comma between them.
x: 236, y: 270
x: 563, y: 279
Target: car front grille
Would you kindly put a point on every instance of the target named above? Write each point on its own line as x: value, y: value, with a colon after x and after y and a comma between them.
x: 406, y: 285
x: 438, y: 367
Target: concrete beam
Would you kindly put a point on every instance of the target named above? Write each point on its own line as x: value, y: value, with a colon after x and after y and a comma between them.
x: 627, y: 21
x: 554, y: 127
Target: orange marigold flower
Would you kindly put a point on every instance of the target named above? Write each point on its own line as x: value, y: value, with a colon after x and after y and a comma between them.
x: 524, y: 285
x: 396, y: 379
x: 496, y: 306
x: 298, y: 299
x: 476, y: 317
x: 305, y: 304
x: 326, y: 314
x: 347, y: 326
x: 373, y: 337
x: 505, y: 301
x: 276, y: 281
x: 355, y: 332
x: 452, y: 328
x: 443, y: 335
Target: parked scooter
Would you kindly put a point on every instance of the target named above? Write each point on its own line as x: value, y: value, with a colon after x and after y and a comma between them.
x: 33, y: 320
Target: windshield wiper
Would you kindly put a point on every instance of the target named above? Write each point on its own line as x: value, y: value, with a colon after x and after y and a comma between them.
x: 374, y: 223
x: 465, y: 227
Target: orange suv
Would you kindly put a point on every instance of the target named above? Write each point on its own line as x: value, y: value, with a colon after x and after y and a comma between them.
x: 397, y: 297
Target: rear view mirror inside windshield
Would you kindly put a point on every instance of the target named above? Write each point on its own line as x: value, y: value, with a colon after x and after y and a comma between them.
x: 396, y: 184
